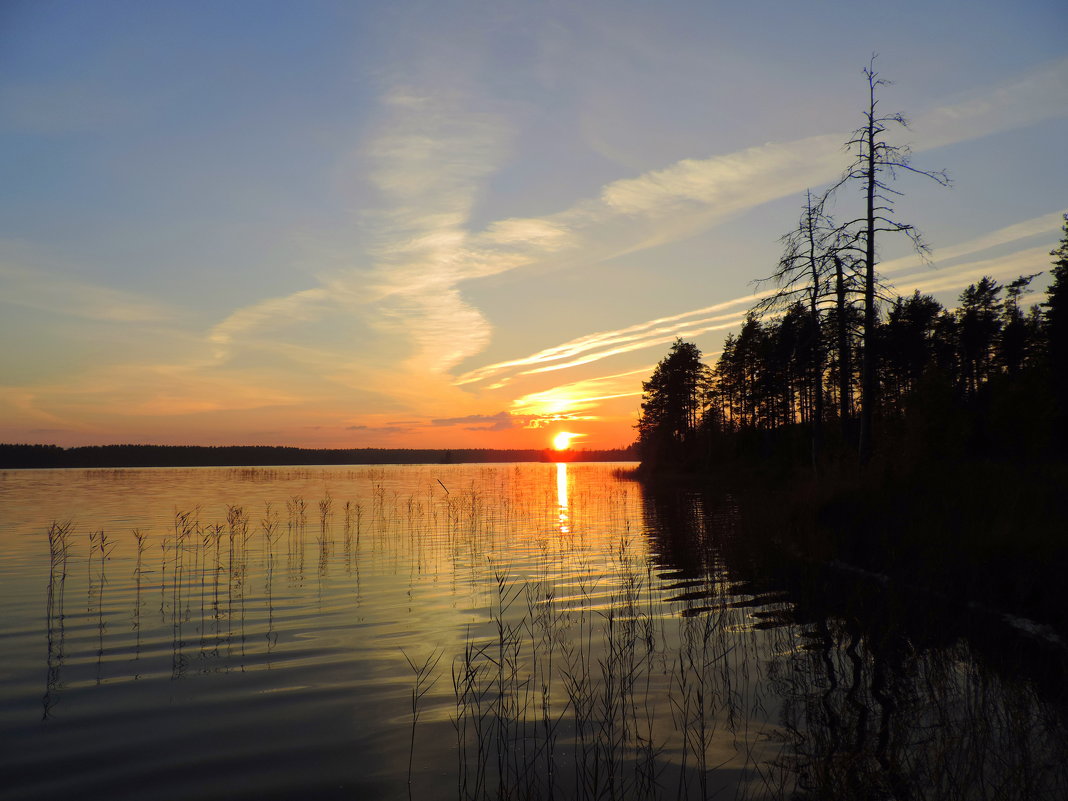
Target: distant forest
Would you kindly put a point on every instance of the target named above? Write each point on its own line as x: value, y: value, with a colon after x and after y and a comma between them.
x: 45, y: 456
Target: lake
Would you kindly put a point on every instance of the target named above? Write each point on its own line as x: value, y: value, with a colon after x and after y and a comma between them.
x: 480, y: 631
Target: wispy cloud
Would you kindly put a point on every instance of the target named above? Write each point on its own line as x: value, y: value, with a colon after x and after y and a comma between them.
x: 379, y: 429
x: 1037, y: 226
x: 581, y: 396
x: 429, y: 158
x: 690, y: 195
x: 480, y: 422
x: 503, y: 421
x: 22, y: 403
x: 304, y: 305
x: 1001, y: 268
x: 594, y: 347
x: 909, y: 273
x: 1039, y: 94
x: 428, y: 161
x: 727, y: 183
x: 31, y: 280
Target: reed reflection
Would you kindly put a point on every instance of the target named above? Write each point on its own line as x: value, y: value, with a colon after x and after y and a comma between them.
x: 59, y: 553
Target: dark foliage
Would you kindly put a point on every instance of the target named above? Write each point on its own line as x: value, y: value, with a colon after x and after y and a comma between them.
x: 672, y: 403
x: 1056, y: 324
x: 965, y: 494
x: 977, y: 382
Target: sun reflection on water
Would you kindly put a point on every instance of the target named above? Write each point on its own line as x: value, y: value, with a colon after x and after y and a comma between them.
x: 561, y: 497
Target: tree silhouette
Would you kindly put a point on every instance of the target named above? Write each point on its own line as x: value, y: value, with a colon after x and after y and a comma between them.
x: 954, y: 383
x: 876, y: 162
x: 908, y: 342
x: 673, y: 400
x: 802, y: 276
x: 844, y: 322
x: 1056, y: 319
x: 980, y: 329
x: 1019, y: 332
x: 978, y: 368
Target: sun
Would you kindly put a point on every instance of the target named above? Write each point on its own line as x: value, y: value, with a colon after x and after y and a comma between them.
x: 562, y: 440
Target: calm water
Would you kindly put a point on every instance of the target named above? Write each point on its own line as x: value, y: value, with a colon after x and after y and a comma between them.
x: 517, y: 631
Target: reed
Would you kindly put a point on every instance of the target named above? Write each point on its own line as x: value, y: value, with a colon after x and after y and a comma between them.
x: 423, y: 682
x: 58, y: 555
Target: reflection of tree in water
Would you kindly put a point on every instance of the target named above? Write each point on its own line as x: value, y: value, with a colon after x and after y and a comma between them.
x: 889, y: 695
x: 679, y: 524
x: 877, y: 718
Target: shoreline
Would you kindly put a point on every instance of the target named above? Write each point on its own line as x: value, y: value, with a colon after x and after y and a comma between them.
x: 989, y: 536
x: 30, y: 457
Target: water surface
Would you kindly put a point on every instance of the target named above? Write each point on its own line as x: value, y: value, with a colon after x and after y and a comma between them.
x: 464, y: 631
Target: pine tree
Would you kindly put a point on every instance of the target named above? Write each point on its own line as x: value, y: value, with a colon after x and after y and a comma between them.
x: 673, y: 401
x: 1056, y: 319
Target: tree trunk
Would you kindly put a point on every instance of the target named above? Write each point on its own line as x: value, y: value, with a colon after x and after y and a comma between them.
x: 845, y: 360
x: 817, y: 351
x: 867, y: 379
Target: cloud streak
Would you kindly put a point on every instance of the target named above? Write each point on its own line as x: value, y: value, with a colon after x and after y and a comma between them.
x: 1037, y: 226
x: 429, y: 158
x: 1038, y: 95
x: 26, y: 282
x: 479, y: 422
x: 690, y: 195
x: 431, y: 155
x: 910, y: 272
x: 1001, y: 268
x: 594, y: 347
x: 580, y: 396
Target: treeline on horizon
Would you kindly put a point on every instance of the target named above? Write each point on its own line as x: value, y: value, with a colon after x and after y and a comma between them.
x: 19, y: 456
x: 830, y: 368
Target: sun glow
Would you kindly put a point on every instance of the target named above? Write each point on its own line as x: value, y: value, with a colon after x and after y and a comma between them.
x: 562, y: 440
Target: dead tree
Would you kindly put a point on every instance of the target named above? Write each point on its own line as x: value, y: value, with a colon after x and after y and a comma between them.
x: 875, y: 164
x: 803, y: 274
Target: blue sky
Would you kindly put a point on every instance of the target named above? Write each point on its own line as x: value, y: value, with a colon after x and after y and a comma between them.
x: 464, y: 223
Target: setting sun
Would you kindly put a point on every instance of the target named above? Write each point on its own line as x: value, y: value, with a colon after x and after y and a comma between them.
x: 562, y: 440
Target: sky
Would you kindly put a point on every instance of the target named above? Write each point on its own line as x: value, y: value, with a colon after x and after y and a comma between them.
x: 467, y: 224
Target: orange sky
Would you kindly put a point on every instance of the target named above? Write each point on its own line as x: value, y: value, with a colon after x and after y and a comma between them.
x: 358, y: 226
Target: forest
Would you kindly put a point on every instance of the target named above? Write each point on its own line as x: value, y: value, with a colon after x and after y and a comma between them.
x: 982, y: 381
x: 963, y: 491
x: 883, y: 433
x: 830, y: 368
